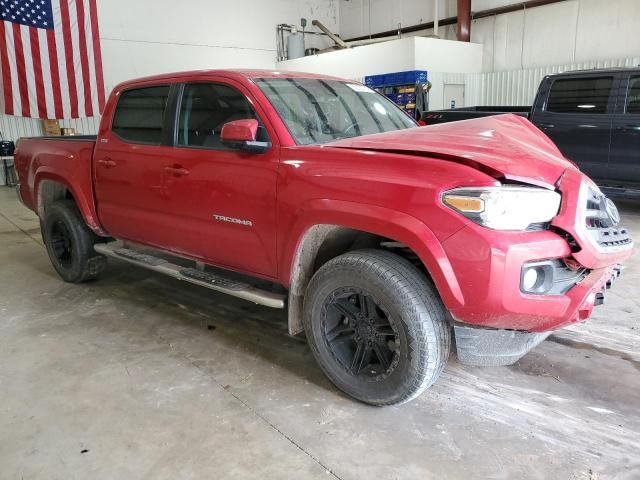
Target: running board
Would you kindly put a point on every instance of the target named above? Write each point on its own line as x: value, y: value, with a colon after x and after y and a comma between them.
x: 208, y: 280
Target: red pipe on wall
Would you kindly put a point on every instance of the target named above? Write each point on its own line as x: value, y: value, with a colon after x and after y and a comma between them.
x: 463, y: 30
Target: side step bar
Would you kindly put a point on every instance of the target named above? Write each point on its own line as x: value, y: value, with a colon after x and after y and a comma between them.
x: 208, y: 280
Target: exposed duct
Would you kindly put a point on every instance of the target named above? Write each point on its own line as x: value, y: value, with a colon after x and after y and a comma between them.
x: 435, y: 18
x: 338, y: 41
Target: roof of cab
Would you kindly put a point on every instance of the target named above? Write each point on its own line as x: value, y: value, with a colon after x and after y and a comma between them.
x: 631, y: 69
x: 238, y: 74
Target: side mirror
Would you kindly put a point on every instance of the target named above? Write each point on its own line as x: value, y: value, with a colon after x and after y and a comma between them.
x: 241, y: 135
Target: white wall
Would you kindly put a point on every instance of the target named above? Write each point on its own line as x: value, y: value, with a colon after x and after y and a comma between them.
x: 141, y: 38
x: 433, y: 55
x: 167, y: 35
x: 574, y: 31
x: 393, y: 56
x: 518, y: 87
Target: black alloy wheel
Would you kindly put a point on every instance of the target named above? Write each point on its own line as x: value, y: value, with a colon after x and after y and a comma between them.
x: 61, y: 243
x: 360, y: 334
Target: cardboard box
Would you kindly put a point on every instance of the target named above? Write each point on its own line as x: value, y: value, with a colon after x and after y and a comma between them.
x: 51, y: 127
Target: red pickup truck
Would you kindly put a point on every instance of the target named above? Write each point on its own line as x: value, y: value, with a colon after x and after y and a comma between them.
x: 384, y: 240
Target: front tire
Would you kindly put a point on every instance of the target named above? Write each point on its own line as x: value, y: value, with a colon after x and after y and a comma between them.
x: 70, y: 243
x: 376, y: 326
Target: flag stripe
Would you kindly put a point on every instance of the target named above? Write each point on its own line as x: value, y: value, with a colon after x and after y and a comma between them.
x: 37, y: 71
x: 97, y: 53
x: 55, y: 74
x: 77, y: 67
x: 62, y: 60
x: 22, y: 75
x: 68, y: 54
x: 92, y: 61
x: 29, y: 75
x: 7, y: 87
x: 46, y: 73
x: 84, y: 59
x: 13, y: 70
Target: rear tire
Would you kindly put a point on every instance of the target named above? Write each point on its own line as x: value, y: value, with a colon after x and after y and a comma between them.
x: 376, y: 326
x: 70, y: 243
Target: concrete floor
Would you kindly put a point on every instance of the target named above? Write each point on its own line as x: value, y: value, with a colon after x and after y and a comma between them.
x: 139, y: 376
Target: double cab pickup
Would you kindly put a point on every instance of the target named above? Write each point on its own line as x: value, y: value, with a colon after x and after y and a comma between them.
x: 383, y: 240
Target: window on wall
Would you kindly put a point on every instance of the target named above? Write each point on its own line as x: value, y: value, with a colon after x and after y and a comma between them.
x: 205, y: 108
x: 580, y: 95
x: 633, y: 96
x: 138, y: 117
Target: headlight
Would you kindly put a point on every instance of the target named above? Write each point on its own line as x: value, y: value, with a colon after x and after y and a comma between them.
x: 506, y: 207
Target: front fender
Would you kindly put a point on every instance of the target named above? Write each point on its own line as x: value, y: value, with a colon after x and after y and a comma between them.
x: 378, y: 220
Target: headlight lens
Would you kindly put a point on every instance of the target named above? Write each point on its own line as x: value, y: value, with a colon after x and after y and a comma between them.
x: 506, y: 207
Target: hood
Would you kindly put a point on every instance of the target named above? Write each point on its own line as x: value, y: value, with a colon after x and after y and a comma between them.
x: 503, y: 146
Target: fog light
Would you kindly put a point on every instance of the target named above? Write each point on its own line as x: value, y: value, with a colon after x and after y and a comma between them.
x: 530, y: 279
x: 537, y: 278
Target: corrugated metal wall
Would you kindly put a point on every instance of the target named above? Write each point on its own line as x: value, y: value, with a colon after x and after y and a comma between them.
x: 518, y: 87
x: 13, y: 128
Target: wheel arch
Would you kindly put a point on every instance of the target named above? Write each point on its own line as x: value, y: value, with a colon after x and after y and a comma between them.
x: 50, y: 187
x: 326, y: 234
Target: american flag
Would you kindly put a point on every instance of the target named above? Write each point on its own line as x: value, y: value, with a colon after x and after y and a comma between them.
x: 50, y: 60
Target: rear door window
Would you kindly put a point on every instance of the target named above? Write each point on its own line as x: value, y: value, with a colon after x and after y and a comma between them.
x: 587, y: 95
x: 139, y: 114
x: 633, y: 96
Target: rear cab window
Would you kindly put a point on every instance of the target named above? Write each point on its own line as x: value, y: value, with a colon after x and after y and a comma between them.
x: 139, y: 114
x: 582, y: 95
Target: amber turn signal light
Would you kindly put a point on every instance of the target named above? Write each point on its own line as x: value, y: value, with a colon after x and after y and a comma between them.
x: 465, y: 204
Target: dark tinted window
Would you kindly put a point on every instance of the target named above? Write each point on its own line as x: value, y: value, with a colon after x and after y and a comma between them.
x: 139, y: 113
x: 580, y: 95
x: 205, y: 108
x: 633, y: 96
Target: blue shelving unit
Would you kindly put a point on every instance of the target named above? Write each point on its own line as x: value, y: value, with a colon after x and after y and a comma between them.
x: 399, y: 87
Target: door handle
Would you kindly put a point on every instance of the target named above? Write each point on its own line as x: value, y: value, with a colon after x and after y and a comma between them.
x: 106, y: 163
x: 546, y: 125
x: 177, y: 171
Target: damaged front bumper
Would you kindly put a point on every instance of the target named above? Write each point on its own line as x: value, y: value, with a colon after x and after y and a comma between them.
x: 484, y: 347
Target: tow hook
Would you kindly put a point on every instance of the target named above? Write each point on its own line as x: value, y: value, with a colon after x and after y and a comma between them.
x: 617, y: 271
x: 601, y: 295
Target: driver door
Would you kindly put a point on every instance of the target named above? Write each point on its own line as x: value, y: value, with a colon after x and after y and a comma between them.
x: 223, y: 201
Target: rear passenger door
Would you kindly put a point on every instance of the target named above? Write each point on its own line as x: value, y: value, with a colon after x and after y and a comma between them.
x: 577, y: 117
x: 129, y: 158
x: 625, y: 144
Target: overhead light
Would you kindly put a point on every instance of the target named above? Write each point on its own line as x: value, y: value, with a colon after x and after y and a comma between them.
x: 586, y: 106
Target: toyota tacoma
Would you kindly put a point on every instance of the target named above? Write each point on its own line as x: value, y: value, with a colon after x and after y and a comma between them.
x: 384, y: 240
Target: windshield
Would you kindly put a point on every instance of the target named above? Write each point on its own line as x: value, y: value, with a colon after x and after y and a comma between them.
x: 320, y: 111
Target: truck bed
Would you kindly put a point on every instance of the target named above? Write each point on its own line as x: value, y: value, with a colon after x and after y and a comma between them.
x: 66, y: 160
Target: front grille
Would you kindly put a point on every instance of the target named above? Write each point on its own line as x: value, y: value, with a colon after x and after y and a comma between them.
x: 602, y: 221
x: 566, y: 277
